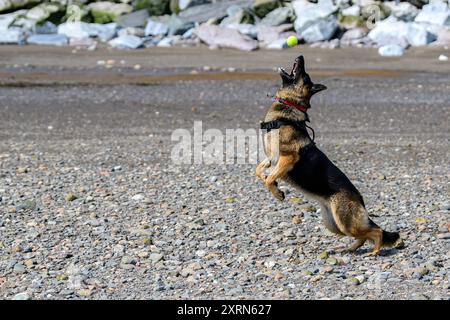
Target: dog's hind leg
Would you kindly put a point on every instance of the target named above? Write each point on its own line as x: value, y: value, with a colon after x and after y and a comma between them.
x: 284, y: 165
x: 355, y: 246
x: 260, y: 168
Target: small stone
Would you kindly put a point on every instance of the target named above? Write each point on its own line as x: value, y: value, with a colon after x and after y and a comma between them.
x: 143, y: 254
x: 296, y: 220
x: 62, y: 277
x: 307, y: 273
x: 19, y: 268
x: 29, y: 263
x: 443, y: 235
x: 295, y: 200
x: 147, y: 241
x: 22, y: 296
x: 22, y: 170
x: 421, y: 220
x: 230, y: 200
x: 323, y: 255
x: 137, y: 197
x: 70, y: 197
x: 156, y: 257
x: 328, y: 269
x: 84, y: 292
x: 353, y: 281
x: 332, y: 261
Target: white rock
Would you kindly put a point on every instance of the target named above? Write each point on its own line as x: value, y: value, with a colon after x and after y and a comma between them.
x: 216, y: 36
x: 443, y: 57
x: 307, y: 13
x: 22, y: 296
x: 166, y: 42
x: 277, y: 44
x: 320, y: 30
x: 267, y: 34
x: 277, y: 16
x: 353, y: 34
x: 402, y: 10
x: 246, y: 29
x: 391, y: 50
x: 12, y: 36
x: 48, y: 39
x: 46, y: 28
x: 354, y: 10
x: 7, y: 19
x: 390, y: 31
x: 155, y: 28
x: 137, y: 197
x: 74, y: 29
x: 80, y: 30
x: 437, y: 12
x: 418, y: 35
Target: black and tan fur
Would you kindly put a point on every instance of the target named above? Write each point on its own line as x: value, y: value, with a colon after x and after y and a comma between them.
x: 297, y: 160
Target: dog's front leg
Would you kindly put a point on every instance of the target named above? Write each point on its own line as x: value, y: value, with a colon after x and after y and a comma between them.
x: 284, y: 165
x: 260, y: 169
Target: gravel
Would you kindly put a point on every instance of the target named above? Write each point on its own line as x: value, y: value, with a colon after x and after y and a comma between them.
x: 137, y: 226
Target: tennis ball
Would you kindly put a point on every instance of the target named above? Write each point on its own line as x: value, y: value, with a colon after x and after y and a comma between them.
x: 292, y: 41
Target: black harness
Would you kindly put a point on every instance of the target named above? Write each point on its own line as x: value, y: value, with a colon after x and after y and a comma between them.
x: 299, y: 125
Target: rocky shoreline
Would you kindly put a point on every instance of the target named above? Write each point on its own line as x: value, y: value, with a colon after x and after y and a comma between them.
x: 390, y: 26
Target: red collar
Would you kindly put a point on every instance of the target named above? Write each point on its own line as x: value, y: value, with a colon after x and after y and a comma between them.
x: 299, y: 107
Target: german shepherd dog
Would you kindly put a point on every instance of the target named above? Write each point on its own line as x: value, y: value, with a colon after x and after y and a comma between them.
x: 295, y: 158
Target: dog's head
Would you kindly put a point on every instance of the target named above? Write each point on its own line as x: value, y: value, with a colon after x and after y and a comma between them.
x: 297, y: 85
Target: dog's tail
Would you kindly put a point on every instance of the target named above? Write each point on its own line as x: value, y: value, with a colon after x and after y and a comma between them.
x: 390, y: 238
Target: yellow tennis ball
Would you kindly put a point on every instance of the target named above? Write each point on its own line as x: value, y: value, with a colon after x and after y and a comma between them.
x: 292, y: 41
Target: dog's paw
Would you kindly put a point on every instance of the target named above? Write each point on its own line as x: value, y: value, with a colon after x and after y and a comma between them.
x: 279, y: 194
x: 373, y: 253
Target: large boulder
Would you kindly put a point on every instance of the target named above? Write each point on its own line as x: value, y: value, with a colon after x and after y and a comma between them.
x: 105, y: 11
x: 278, y: 16
x: 437, y: 12
x: 167, y: 25
x: 396, y: 32
x: 315, y: 22
x: 179, y: 5
x: 218, y: 37
x: 270, y: 35
x: 7, y: 19
x: 443, y: 37
x: 12, y: 36
x: 419, y: 35
x: 390, y: 32
x: 217, y: 10
x: 263, y: 7
x: 391, y: 50
x: 48, y: 39
x: 156, y: 28
x: 308, y: 13
x: 133, y: 19
x: 244, y: 28
x: 237, y: 14
x: 402, y: 10
x: 83, y: 30
x: 126, y: 42
x: 154, y: 7
x: 43, y: 11
x: 6, y: 5
x: 320, y: 30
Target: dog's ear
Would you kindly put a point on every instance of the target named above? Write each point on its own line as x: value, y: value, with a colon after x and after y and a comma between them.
x: 317, y: 87
x: 287, y: 78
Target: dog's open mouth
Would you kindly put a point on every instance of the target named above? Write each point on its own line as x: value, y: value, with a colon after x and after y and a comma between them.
x: 296, y: 69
